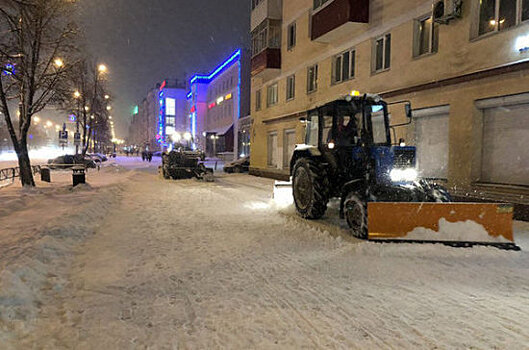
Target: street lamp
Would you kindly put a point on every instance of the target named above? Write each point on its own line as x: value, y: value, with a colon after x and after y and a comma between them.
x: 59, y: 63
x: 102, y: 68
x: 107, y: 97
x: 76, y: 94
x: 109, y: 108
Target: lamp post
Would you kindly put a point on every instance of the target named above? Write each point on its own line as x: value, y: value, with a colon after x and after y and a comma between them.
x: 77, y: 95
x: 101, y: 69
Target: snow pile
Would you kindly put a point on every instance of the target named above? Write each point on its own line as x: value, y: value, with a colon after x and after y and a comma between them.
x: 29, y: 261
x: 467, y: 231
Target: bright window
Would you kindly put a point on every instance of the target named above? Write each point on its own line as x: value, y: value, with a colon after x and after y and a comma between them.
x: 170, y: 106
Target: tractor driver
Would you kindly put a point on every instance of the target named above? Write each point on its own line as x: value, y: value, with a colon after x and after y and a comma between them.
x: 346, y: 130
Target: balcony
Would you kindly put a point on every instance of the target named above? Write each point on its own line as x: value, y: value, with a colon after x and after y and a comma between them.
x: 338, y: 18
x: 266, y: 60
x: 265, y: 9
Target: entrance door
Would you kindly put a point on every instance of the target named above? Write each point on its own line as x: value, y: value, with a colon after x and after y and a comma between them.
x: 272, y: 150
x: 431, y: 139
x: 288, y: 147
x: 505, y: 158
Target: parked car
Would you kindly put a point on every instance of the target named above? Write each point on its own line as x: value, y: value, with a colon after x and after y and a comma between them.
x: 241, y: 165
x: 68, y: 161
x: 100, y: 156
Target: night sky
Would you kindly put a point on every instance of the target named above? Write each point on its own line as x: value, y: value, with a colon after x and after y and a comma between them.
x: 146, y: 41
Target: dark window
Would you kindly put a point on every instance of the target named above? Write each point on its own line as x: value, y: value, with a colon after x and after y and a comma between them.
x: 291, y: 87
x: 426, y: 37
x: 291, y: 42
x: 319, y: 3
x: 312, y: 78
x: 258, y: 100
x: 343, y: 66
x: 525, y: 10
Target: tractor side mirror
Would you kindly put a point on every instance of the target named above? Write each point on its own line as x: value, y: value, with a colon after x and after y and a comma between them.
x: 409, y: 112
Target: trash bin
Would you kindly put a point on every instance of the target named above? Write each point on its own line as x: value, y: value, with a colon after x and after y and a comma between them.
x: 79, y: 176
x: 45, y: 175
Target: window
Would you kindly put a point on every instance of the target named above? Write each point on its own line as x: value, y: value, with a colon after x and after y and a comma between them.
x: 497, y: 15
x: 426, y: 37
x: 382, y: 53
x: 170, y: 106
x: 170, y: 121
x: 272, y: 95
x: 319, y: 3
x: 258, y: 100
x: 256, y: 3
x: 266, y: 35
x: 291, y: 87
x: 291, y: 40
x: 312, y: 78
x: 343, y: 66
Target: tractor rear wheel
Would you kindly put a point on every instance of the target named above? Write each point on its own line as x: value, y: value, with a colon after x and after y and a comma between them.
x: 356, y: 215
x: 310, y: 187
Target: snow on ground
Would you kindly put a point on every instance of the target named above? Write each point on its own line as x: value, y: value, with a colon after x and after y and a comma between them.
x: 165, y: 264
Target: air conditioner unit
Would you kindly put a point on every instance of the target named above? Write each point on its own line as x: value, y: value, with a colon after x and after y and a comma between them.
x: 444, y: 11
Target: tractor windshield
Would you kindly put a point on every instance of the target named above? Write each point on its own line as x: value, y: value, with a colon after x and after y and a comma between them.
x: 378, y: 122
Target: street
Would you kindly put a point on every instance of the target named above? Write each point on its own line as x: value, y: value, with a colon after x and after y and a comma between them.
x: 191, y: 265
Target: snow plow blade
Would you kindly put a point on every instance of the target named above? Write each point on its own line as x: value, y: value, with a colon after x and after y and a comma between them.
x: 454, y: 224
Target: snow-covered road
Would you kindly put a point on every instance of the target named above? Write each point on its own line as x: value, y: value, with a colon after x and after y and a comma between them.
x: 215, y: 265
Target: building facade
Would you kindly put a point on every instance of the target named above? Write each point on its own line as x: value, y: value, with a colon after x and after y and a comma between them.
x: 466, y: 75
x: 216, y: 103
x: 161, y: 114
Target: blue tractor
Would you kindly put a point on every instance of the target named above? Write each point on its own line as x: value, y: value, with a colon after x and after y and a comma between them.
x: 349, y: 154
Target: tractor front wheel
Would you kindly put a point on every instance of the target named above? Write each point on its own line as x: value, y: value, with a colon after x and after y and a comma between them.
x: 356, y: 215
x: 310, y: 187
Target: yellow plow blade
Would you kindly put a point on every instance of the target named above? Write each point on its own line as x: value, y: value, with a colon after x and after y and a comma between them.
x: 455, y: 223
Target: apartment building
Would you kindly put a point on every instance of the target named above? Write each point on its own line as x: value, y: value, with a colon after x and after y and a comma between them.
x: 466, y: 75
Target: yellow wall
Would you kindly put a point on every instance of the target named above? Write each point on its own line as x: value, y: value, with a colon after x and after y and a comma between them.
x: 459, y: 53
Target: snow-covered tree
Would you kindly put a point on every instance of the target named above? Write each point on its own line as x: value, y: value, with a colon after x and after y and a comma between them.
x: 36, y: 44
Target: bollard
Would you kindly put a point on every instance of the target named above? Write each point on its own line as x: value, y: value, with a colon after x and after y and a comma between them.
x: 79, y: 176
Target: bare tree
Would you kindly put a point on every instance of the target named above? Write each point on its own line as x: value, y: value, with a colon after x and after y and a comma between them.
x: 88, y: 99
x: 35, y: 45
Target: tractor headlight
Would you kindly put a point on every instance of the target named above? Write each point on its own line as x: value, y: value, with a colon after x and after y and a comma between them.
x: 403, y: 175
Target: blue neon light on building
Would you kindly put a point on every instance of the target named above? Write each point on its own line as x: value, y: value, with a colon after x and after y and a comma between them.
x: 235, y: 58
x: 208, y: 78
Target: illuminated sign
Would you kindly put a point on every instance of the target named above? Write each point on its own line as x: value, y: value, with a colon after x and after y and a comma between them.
x: 228, y: 97
x: 164, y: 84
x: 220, y: 100
x: 211, y: 105
x: 136, y: 110
x: 522, y: 43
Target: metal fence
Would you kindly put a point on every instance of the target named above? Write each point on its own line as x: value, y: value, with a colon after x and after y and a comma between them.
x: 12, y: 173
